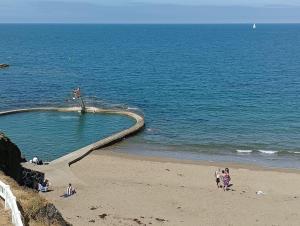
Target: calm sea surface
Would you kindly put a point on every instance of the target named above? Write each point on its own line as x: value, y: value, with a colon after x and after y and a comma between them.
x: 49, y: 135
x: 213, y: 92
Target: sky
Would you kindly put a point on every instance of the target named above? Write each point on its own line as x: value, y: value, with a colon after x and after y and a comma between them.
x: 149, y: 11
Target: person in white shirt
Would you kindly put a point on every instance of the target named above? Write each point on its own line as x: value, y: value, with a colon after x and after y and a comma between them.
x: 70, y: 190
x: 35, y: 160
x: 218, y: 177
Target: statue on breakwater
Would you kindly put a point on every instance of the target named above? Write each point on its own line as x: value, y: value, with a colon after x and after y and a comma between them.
x: 77, y: 96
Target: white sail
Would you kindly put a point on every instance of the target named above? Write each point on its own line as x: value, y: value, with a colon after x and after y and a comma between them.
x: 254, y: 26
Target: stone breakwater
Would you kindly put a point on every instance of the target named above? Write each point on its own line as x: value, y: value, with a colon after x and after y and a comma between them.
x: 81, y: 153
x: 58, y: 169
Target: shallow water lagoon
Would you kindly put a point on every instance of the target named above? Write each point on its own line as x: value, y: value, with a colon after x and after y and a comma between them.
x: 50, y: 135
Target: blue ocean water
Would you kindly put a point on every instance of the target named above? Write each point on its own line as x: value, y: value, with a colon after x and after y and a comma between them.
x: 206, y: 90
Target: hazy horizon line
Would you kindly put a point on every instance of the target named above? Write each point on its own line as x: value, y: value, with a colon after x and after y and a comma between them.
x: 151, y: 23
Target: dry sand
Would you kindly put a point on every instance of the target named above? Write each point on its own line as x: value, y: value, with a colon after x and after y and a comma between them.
x: 118, y: 189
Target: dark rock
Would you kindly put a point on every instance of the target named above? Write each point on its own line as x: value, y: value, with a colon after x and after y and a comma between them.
x: 31, y: 178
x: 4, y: 65
x: 51, y: 215
x: 92, y: 221
x: 10, y: 163
x: 10, y: 158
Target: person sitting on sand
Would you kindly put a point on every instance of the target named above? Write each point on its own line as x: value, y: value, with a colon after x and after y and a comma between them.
x: 43, y: 187
x: 218, y: 177
x: 226, y: 179
x: 70, y: 190
x: 35, y: 160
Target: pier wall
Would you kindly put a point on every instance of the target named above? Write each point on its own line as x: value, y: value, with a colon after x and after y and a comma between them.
x: 34, y: 173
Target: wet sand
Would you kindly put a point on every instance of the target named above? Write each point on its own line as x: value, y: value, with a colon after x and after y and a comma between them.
x: 119, y: 189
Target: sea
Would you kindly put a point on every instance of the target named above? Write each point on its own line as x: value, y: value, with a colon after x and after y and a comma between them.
x: 213, y: 92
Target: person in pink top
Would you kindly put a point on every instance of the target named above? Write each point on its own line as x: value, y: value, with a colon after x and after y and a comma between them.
x: 226, y: 179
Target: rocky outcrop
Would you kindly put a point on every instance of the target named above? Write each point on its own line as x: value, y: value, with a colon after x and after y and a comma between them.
x: 31, y: 178
x: 4, y: 65
x: 10, y: 158
x: 10, y: 164
x: 37, y: 209
x: 50, y: 216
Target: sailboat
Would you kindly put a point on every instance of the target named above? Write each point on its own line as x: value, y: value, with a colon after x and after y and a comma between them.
x: 254, y: 26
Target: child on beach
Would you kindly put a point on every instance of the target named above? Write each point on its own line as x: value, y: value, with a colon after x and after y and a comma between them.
x: 218, y: 177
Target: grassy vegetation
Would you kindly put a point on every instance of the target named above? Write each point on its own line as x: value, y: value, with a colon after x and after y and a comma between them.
x: 29, y: 201
x: 5, y: 218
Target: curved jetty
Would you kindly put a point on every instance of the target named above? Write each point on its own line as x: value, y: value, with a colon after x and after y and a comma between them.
x: 79, y: 154
x: 58, y: 170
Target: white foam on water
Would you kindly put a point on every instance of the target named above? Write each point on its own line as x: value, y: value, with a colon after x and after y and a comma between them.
x: 244, y: 151
x: 269, y: 152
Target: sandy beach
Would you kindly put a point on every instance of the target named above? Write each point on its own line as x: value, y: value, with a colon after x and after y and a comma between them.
x: 119, y: 189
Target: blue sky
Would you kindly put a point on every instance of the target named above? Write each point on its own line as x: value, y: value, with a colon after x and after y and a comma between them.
x: 149, y: 11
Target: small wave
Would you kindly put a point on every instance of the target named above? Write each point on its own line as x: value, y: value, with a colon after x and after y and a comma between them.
x: 294, y: 152
x: 244, y: 151
x: 269, y: 152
